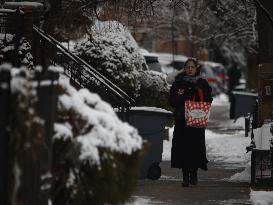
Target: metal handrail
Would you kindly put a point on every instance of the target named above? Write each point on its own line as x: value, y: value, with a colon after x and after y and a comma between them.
x: 116, y: 91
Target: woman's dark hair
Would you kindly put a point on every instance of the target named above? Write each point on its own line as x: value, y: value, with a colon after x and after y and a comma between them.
x: 195, y: 61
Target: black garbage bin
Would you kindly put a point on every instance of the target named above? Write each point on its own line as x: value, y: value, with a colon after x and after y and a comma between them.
x: 242, y: 103
x: 150, y: 123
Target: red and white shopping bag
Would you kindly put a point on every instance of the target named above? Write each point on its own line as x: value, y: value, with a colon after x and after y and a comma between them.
x: 197, y: 113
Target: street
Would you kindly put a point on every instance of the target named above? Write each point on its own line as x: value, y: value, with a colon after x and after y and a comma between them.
x: 213, y: 186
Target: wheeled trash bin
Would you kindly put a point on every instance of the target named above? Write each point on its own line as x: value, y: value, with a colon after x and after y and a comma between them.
x: 150, y: 122
x: 242, y: 103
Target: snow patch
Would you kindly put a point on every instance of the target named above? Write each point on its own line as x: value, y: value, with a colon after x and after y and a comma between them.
x: 167, y: 146
x: 261, y: 197
x: 221, y: 99
x: 5, y: 67
x: 227, y: 148
x: 240, y: 122
x: 138, y: 200
x: 244, y: 176
x: 56, y: 69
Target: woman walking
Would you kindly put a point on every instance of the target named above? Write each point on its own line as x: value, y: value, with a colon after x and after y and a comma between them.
x: 188, y: 144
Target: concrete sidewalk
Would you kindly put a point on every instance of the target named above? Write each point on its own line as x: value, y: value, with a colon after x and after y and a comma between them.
x: 211, y: 189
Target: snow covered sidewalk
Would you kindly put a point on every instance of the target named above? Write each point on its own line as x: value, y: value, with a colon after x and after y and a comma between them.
x: 224, y: 148
x: 226, y: 153
x: 227, y: 180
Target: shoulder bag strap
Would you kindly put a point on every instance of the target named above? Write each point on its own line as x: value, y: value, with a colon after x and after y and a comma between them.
x: 198, y: 91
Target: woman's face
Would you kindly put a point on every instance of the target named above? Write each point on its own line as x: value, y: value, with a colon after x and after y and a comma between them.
x: 190, y: 68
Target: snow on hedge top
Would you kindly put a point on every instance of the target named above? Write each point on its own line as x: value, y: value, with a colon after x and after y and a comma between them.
x: 107, y: 130
x: 111, y: 49
x: 114, y: 43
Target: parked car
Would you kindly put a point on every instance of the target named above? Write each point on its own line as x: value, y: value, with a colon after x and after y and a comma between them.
x: 170, y: 62
x: 208, y: 73
x: 221, y: 74
x: 152, y: 61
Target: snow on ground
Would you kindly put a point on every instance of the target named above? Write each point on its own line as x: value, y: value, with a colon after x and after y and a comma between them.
x: 221, y: 99
x: 223, y: 148
x: 138, y: 200
x: 261, y: 197
x: 227, y: 148
x: 240, y: 122
x: 167, y: 146
x: 244, y: 176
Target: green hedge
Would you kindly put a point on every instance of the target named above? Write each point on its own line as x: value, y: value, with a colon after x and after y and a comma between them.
x: 112, y: 182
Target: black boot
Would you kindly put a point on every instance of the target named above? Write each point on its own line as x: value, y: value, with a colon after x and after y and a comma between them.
x: 193, y: 177
x: 186, y: 174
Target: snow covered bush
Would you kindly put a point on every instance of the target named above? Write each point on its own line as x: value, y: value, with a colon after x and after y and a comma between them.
x: 232, y: 57
x: 96, y: 156
x: 24, y: 54
x: 8, y: 49
x: 154, y: 90
x: 111, y: 50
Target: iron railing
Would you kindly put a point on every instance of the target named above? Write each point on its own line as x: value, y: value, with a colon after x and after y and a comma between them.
x: 84, y: 75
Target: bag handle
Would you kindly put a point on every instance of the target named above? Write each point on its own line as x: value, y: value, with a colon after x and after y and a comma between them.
x: 200, y: 93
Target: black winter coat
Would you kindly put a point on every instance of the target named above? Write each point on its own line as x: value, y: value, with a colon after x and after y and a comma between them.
x: 188, y: 144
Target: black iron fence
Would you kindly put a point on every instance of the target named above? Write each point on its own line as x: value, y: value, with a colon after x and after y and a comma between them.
x: 4, y: 134
x: 26, y: 151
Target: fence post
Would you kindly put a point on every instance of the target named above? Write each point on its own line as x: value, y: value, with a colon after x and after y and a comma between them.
x: 35, y: 159
x: 47, y: 92
x: 19, y: 18
x: 4, y: 134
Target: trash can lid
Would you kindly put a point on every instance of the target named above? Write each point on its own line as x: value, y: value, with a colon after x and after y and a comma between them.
x: 151, y: 109
x: 245, y: 93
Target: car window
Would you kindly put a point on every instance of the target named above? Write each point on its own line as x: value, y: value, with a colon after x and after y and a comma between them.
x: 178, y: 65
x: 151, y: 59
x: 155, y: 66
x: 218, y: 70
x: 153, y: 63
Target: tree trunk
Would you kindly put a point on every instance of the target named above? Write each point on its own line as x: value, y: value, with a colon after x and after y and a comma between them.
x: 252, y: 71
x: 265, y: 30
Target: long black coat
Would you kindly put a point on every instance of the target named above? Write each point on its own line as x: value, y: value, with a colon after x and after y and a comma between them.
x: 188, y: 144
